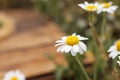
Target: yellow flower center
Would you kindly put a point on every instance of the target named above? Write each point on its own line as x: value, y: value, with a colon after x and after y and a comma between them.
x: 118, y: 45
x: 106, y: 5
x: 72, y: 40
x: 91, y: 8
x: 14, y: 78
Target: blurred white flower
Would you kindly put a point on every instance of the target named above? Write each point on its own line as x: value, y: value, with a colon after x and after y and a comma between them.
x: 114, y: 49
x: 90, y: 6
x: 111, y: 17
x: 88, y: 32
x: 14, y: 75
x: 72, y: 44
x: 107, y: 7
x: 81, y: 23
x: 118, y: 60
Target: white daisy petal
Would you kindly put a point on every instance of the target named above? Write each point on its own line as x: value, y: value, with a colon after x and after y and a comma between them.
x: 68, y: 48
x: 81, y: 51
x: 86, y: 3
x: 61, y: 48
x: 119, y: 57
x: 118, y: 62
x: 74, y: 34
x: 64, y: 38
x: 64, y: 48
x: 59, y: 41
x: 111, y: 48
x: 82, y: 38
x: 99, y: 11
x: 82, y: 6
x: 76, y: 48
x: 96, y: 3
x: 59, y: 44
x: 73, y: 52
x: 113, y: 54
x: 83, y: 46
x: 110, y: 3
x: 114, y: 7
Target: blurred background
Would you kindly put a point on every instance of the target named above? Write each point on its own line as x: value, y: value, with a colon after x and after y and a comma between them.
x: 29, y: 28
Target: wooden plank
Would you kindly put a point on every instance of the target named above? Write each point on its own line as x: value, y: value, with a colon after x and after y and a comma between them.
x: 34, y: 37
x: 43, y: 77
x: 31, y: 62
x: 26, y: 49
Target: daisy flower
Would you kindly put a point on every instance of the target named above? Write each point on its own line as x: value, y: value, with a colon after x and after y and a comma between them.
x: 114, y: 49
x: 118, y: 60
x: 107, y: 7
x: 72, y: 44
x: 90, y: 6
x: 14, y: 75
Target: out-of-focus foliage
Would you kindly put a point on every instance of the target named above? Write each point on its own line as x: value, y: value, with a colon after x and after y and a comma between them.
x: 4, y: 4
x: 64, y: 12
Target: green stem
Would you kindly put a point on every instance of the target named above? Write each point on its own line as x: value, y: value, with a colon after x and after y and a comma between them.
x: 103, y: 24
x: 98, y: 43
x: 94, y: 32
x: 82, y: 68
x: 95, y: 72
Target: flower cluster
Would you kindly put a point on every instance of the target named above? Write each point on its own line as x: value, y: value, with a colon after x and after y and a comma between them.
x: 73, y: 44
x: 99, y: 7
x: 109, y: 8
